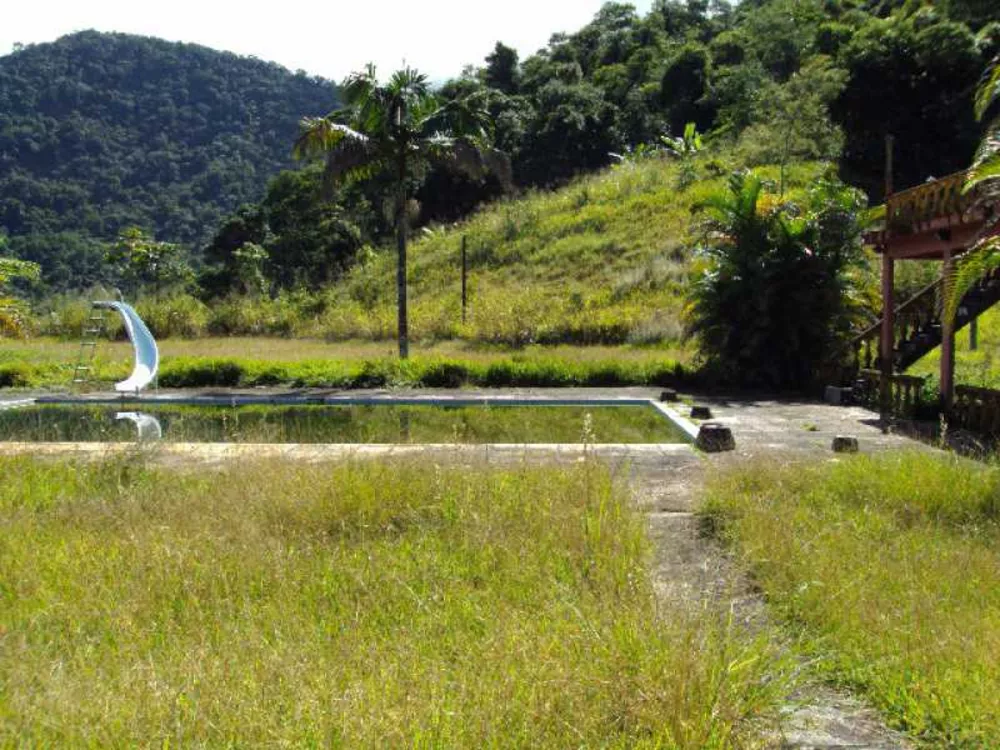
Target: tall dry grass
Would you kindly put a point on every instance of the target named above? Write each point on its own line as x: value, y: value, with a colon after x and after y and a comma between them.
x: 281, y: 604
x: 888, y: 568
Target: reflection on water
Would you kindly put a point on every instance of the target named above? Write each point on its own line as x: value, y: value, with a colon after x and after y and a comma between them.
x: 382, y: 423
x: 147, y: 426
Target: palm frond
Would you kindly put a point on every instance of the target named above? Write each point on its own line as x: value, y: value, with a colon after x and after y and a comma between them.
x: 965, y: 273
x: 322, y: 134
x: 465, y: 156
x: 348, y: 157
x: 983, y: 172
x: 358, y: 87
x: 409, y: 82
x: 989, y: 89
x: 348, y: 153
x: 467, y: 117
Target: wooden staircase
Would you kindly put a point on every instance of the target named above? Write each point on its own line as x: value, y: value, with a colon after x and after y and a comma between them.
x: 917, y: 327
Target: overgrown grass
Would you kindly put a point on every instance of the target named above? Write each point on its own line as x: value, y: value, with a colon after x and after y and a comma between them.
x: 220, y: 363
x: 281, y: 604
x: 889, y: 568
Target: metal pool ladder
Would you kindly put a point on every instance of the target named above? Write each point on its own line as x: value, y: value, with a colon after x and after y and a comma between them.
x: 93, y: 329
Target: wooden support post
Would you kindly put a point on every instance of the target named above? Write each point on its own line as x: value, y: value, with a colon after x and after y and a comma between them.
x: 465, y: 273
x: 947, y: 344
x: 974, y: 334
x: 887, y: 338
x: 890, y: 142
x: 886, y: 341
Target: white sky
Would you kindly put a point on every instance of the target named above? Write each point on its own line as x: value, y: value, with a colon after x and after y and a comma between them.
x: 330, y: 38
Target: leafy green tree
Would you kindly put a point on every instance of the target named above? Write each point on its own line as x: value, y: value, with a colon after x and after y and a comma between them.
x: 685, y: 86
x: 502, y: 71
x: 913, y: 76
x: 250, y: 260
x: 12, y: 317
x: 573, y: 130
x: 143, y: 262
x: 775, y: 300
x: 792, y: 120
x: 398, y: 128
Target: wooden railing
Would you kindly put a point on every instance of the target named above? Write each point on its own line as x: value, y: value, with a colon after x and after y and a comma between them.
x: 905, y: 391
x: 908, y: 209
x: 916, y: 314
x: 976, y: 410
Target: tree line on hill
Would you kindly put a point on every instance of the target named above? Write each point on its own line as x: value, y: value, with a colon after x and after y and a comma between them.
x: 775, y: 80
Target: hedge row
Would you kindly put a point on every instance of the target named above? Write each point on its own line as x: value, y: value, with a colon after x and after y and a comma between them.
x: 196, y: 372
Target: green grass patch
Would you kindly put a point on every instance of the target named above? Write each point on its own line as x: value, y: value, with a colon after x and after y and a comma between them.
x: 387, y: 604
x: 979, y: 368
x: 889, y: 569
x: 219, y: 363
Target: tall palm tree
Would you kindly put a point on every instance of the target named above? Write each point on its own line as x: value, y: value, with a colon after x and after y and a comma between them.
x: 984, y: 177
x: 395, y: 128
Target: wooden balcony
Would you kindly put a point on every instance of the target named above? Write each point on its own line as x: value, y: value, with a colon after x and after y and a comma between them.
x: 930, y: 221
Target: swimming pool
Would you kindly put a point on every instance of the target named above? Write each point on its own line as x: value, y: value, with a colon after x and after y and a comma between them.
x: 385, y: 421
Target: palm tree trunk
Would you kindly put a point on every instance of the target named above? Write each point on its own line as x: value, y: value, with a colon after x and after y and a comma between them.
x: 403, y: 327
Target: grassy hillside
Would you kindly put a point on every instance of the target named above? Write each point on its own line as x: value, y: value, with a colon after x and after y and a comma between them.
x: 605, y: 260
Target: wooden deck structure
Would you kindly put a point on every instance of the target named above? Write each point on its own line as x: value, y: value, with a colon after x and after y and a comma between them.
x: 936, y: 222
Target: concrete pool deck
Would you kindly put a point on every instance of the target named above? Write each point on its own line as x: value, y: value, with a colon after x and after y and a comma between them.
x: 666, y: 482
x: 760, y: 426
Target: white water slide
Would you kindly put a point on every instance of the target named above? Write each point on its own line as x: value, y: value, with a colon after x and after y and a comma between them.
x: 147, y: 355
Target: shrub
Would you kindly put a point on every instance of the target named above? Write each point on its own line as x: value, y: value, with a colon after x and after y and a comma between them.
x: 186, y: 372
x: 444, y: 374
x: 16, y: 375
x: 775, y: 301
x: 178, y: 315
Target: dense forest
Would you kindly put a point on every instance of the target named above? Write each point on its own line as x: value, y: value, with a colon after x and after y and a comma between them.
x: 102, y: 131
x: 99, y: 132
x: 770, y: 81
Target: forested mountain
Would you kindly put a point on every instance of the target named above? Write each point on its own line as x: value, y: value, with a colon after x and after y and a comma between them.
x: 102, y: 131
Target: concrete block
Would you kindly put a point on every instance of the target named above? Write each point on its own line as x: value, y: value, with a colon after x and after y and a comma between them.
x: 715, y: 438
x: 845, y: 444
x: 700, y: 411
x: 837, y: 396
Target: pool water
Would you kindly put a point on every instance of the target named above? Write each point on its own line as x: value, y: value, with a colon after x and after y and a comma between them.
x: 381, y: 423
